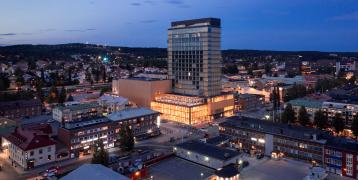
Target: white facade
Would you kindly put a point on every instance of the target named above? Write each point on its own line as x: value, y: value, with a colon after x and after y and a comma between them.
x: 38, y: 156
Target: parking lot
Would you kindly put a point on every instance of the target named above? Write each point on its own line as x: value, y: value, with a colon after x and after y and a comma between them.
x: 179, y: 169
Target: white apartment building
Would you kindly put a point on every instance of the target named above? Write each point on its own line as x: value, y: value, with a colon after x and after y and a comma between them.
x: 28, y: 150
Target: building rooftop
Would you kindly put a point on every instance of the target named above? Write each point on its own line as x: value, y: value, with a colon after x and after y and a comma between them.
x: 218, y: 139
x: 308, y: 103
x: 19, y: 104
x: 85, y: 123
x: 144, y: 79
x: 79, y: 106
x: 93, y: 172
x: 208, y: 150
x: 342, y: 143
x: 215, y: 22
x: 182, y: 100
x: 28, y: 138
x: 130, y: 113
x: 113, y: 99
x: 292, y: 131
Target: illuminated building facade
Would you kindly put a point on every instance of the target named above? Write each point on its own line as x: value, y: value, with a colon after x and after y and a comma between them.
x: 79, y: 136
x: 194, y: 62
x: 194, y: 57
x: 193, y: 109
x: 77, y: 112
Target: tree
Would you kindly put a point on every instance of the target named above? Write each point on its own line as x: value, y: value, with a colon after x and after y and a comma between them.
x: 338, y: 123
x: 63, y: 96
x: 303, y: 117
x: 88, y: 76
x: 53, y: 95
x: 4, y: 82
x: 126, y: 138
x: 39, y: 92
x: 70, y: 98
x: 320, y: 119
x: 100, y: 155
x: 288, y: 115
x: 354, y: 127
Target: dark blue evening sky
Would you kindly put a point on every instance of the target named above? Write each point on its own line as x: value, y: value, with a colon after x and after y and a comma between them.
x: 326, y: 25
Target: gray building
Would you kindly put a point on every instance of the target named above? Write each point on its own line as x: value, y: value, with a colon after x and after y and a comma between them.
x: 194, y: 56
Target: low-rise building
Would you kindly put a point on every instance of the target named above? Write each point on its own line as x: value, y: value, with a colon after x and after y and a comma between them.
x: 144, y: 122
x: 247, y: 102
x: 76, y: 112
x: 341, y: 157
x: 112, y: 103
x: 337, y: 155
x: 264, y: 137
x: 20, y: 109
x: 206, y: 154
x: 193, y: 110
x: 29, y: 148
x: 311, y: 106
x: 347, y: 110
x: 79, y: 136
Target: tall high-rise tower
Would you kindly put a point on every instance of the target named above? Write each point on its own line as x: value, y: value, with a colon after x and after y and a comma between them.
x: 194, y: 56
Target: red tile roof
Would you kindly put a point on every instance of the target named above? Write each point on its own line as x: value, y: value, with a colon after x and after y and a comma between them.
x: 27, y: 139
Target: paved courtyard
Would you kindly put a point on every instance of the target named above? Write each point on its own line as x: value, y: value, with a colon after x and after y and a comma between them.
x: 272, y: 170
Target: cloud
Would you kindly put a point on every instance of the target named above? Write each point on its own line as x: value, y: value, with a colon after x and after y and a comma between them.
x: 178, y: 3
x: 80, y: 30
x: 47, y: 30
x: 8, y: 34
x: 149, y: 2
x: 347, y: 17
x: 148, y: 21
x: 175, y: 2
x: 136, y: 4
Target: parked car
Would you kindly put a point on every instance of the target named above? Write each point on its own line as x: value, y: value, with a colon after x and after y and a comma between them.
x: 245, y: 164
x: 259, y: 156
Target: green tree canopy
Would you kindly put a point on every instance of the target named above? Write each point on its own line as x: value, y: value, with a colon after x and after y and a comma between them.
x: 63, y: 96
x: 100, y: 155
x: 288, y: 115
x: 338, y: 123
x: 303, y: 117
x: 126, y: 138
x: 354, y: 127
x: 320, y: 119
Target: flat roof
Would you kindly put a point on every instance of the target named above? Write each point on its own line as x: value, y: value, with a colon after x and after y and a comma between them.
x: 306, y: 103
x: 293, y: 131
x: 94, y: 172
x: 208, y: 150
x: 215, y: 22
x: 218, y: 139
x: 80, y: 106
x: 144, y: 79
x: 130, y: 113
